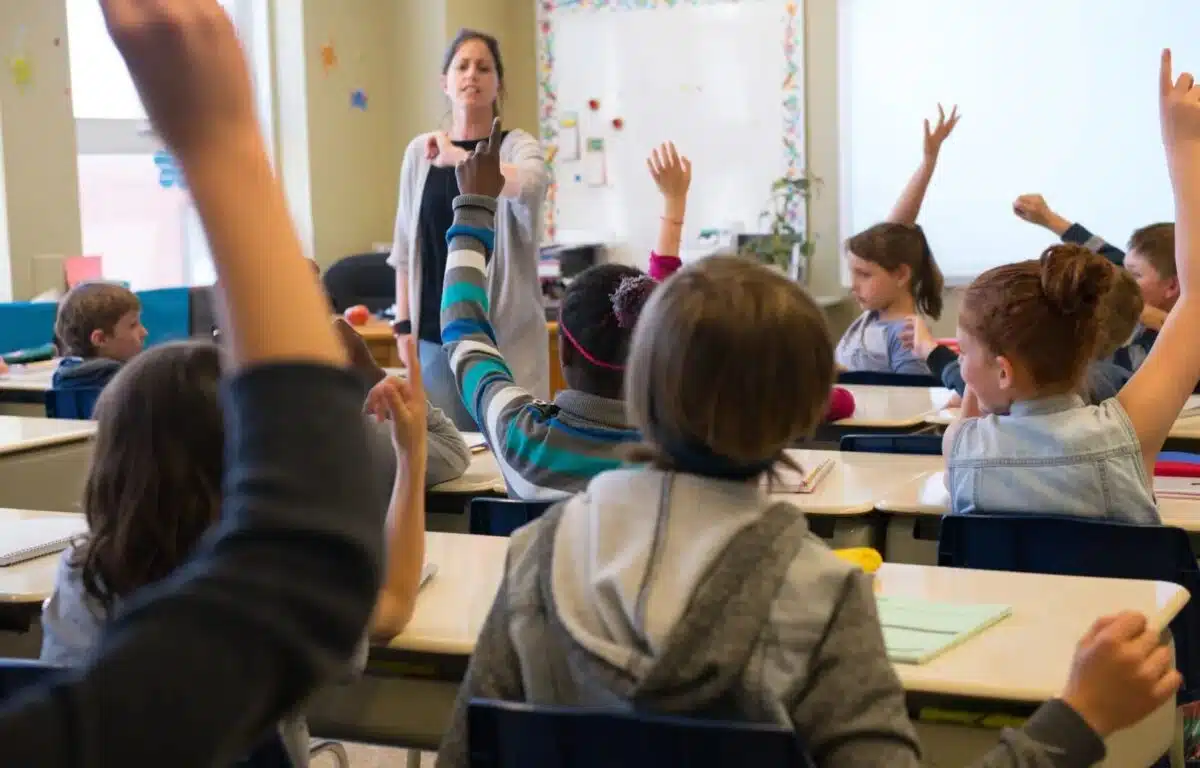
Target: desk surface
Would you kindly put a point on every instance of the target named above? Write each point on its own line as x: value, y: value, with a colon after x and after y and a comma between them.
x: 927, y: 495
x: 857, y: 480
x: 1185, y: 428
x: 32, y: 581
x: 1049, y: 613
x: 26, y: 433
x: 894, y: 407
x: 29, y: 378
x: 482, y: 476
x: 1025, y: 657
x: 452, y: 607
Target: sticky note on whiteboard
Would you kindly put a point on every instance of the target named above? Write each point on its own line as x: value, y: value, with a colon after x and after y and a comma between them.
x: 595, y: 163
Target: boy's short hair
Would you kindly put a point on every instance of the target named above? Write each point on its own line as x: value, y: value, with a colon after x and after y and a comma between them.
x: 88, y: 307
x: 1122, y: 310
x: 1156, y: 244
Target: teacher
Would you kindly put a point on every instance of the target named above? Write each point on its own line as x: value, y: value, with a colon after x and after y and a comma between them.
x: 473, y: 80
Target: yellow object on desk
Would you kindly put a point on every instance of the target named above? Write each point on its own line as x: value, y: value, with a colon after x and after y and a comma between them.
x: 864, y: 557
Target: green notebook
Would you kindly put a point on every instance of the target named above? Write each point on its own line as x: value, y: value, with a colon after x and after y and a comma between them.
x: 916, y: 631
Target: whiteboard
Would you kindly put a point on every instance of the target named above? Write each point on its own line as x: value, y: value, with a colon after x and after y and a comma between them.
x: 1058, y: 97
x: 720, y: 78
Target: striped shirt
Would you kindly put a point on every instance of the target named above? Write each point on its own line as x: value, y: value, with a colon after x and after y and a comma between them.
x: 545, y: 450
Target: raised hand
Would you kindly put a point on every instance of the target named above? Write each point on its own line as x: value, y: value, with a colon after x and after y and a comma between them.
x: 1032, y: 208
x: 402, y: 402
x: 916, y: 334
x: 671, y: 171
x: 189, y: 69
x: 479, y: 173
x: 1179, y: 106
x: 442, y: 152
x: 938, y: 134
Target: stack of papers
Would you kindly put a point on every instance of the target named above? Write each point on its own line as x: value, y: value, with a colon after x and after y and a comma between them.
x: 916, y: 631
x: 1191, y: 408
x: 1176, y: 487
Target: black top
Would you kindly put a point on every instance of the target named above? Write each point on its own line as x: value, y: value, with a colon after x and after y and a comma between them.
x: 434, y: 219
x: 270, y: 606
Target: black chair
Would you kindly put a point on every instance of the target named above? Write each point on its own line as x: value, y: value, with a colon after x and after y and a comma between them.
x: 1072, y: 546
x: 363, y: 279
x: 878, y: 379
x: 507, y: 735
x: 912, y: 445
x: 500, y: 517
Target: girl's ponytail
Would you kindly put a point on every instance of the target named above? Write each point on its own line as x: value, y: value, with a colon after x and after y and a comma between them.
x: 927, y: 281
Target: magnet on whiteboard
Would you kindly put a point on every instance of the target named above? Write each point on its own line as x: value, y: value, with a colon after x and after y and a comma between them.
x: 618, y: 123
x: 593, y: 104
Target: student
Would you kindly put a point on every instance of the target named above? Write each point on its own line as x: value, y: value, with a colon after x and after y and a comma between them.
x: 99, y: 327
x: 893, y: 274
x: 1106, y: 374
x: 678, y: 586
x: 274, y: 601
x: 549, y: 450
x: 448, y: 454
x: 1026, y: 331
x: 1151, y: 260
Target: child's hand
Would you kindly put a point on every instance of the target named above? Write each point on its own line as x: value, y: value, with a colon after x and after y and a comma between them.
x: 1179, y: 105
x: 916, y: 334
x: 671, y: 171
x: 442, y: 152
x: 955, y: 401
x: 1121, y: 673
x: 403, y: 403
x: 189, y: 69
x: 935, y: 137
x: 480, y: 173
x: 1032, y: 208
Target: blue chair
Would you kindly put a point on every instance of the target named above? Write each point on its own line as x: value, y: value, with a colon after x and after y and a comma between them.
x: 876, y: 378
x: 912, y: 445
x: 500, y: 517
x: 72, y: 403
x: 1072, y: 546
x: 508, y: 735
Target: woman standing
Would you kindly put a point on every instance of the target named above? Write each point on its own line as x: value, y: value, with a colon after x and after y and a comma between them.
x: 473, y: 79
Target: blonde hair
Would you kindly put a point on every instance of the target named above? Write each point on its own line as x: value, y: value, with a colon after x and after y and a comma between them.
x: 730, y: 363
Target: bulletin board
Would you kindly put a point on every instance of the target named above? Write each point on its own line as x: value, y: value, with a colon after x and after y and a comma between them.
x: 721, y: 78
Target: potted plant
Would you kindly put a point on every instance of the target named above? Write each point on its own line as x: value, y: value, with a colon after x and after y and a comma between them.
x: 785, y: 245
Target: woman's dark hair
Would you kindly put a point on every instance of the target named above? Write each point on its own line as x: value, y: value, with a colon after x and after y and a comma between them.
x: 493, y: 45
x: 1045, y: 314
x: 154, y: 486
x: 597, y: 318
x: 892, y: 246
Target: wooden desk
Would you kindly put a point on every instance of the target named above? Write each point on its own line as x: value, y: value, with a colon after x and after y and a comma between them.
x: 31, y: 582
x: 894, y: 407
x: 406, y: 697
x: 43, y: 462
x: 482, y: 477
x: 23, y: 388
x: 1027, y: 656
x: 841, y: 508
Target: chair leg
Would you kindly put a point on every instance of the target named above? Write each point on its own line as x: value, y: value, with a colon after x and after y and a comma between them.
x: 412, y: 758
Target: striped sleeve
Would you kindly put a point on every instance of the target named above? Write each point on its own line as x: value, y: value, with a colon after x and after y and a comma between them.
x: 516, y: 425
x: 1080, y: 235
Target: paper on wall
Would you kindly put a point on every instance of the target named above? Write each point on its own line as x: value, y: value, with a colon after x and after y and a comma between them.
x: 595, y: 163
x: 568, y: 137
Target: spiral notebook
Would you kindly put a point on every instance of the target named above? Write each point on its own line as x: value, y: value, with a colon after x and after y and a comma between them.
x: 916, y: 631
x: 31, y: 538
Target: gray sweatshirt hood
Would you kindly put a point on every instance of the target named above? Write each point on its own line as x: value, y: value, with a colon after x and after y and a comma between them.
x: 667, y: 579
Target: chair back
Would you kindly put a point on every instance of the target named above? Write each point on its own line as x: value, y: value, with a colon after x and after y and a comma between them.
x: 509, y: 735
x: 913, y: 445
x: 72, y: 403
x: 500, y: 517
x: 879, y: 379
x: 1072, y: 546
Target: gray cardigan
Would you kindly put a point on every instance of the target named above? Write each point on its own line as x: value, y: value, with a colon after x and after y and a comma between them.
x: 514, y: 290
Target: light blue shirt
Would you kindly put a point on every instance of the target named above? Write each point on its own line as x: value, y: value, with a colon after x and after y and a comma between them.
x: 1052, y: 456
x: 871, y: 344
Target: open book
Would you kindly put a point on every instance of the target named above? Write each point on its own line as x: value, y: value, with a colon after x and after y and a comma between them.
x: 30, y: 538
x: 916, y: 631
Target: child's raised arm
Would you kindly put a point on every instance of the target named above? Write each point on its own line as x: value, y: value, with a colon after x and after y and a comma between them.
x: 1156, y: 394
x: 1034, y: 209
x: 908, y: 207
x: 672, y: 173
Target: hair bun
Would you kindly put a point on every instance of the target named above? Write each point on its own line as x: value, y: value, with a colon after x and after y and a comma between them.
x: 630, y: 297
x: 1074, y: 279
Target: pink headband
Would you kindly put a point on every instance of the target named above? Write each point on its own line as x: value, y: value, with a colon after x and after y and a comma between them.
x: 586, y: 355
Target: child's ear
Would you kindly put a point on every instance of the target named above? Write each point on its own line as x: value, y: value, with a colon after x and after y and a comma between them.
x: 1173, y: 288
x: 903, y: 273
x: 97, y: 338
x: 1004, y: 366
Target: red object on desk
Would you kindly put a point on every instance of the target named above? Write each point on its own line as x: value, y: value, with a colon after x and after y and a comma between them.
x: 82, y: 269
x: 841, y: 405
x: 1176, y: 469
x: 949, y: 343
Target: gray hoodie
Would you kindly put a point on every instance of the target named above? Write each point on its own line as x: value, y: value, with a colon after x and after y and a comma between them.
x: 679, y: 594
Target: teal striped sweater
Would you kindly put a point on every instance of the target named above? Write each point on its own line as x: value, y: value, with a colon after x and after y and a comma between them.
x: 545, y: 450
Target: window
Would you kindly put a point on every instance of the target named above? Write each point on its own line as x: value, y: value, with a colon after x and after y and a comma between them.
x: 134, y: 208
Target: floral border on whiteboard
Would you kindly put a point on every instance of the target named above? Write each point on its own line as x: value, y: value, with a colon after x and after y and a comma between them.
x: 793, y: 106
